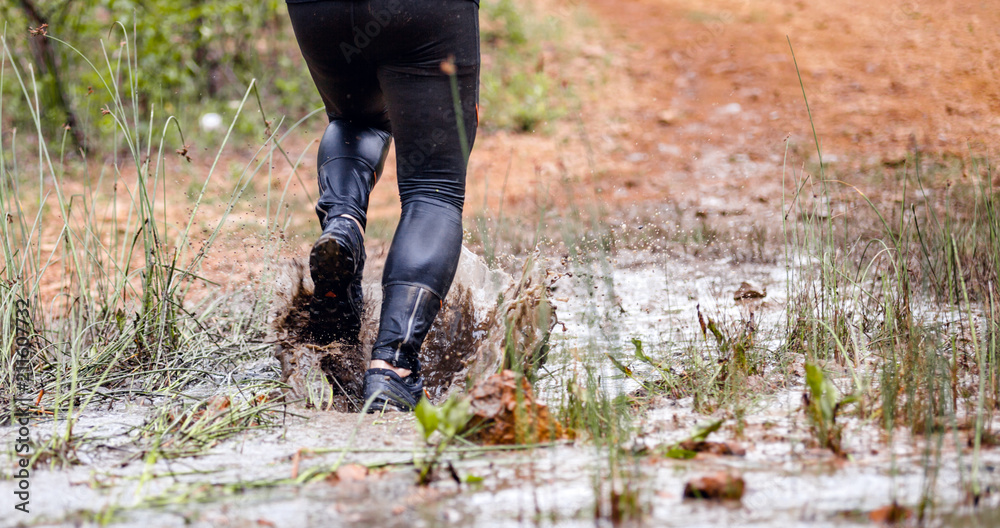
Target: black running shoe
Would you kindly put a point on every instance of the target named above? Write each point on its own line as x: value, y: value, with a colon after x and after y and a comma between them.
x: 384, y: 388
x: 336, y: 264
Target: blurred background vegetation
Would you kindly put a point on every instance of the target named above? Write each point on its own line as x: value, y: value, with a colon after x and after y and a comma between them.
x: 191, y: 55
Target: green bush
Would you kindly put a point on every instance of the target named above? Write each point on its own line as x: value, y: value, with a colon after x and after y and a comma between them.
x: 516, y: 92
x: 190, y: 53
x: 187, y: 52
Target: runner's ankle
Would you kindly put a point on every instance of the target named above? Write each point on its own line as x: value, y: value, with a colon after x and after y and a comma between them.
x: 378, y: 363
x: 356, y: 221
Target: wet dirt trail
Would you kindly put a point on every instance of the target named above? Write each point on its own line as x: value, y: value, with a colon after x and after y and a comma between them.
x: 693, y: 112
x: 712, y: 91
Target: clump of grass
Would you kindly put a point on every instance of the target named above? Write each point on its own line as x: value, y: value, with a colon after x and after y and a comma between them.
x: 625, y: 501
x: 107, y: 274
x: 183, y: 429
x: 59, y: 451
x: 887, y: 306
x: 896, y: 297
x: 713, y: 372
x: 514, y: 97
x: 868, y: 302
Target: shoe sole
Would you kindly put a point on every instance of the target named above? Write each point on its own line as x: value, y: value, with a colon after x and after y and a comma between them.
x: 332, y: 268
x: 386, y: 394
x: 382, y: 402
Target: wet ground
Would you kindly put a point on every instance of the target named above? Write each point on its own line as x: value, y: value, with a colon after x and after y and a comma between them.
x: 263, y: 477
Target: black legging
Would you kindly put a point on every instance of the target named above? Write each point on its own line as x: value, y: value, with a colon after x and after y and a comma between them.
x: 382, y: 67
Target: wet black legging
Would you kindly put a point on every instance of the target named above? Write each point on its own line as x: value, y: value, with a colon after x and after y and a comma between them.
x: 382, y: 67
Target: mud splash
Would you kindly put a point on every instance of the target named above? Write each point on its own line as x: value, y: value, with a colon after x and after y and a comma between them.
x: 488, y: 321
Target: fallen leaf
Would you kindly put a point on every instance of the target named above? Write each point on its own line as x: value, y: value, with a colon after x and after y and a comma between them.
x: 349, y: 473
x: 714, y: 448
x: 717, y: 486
x: 891, y: 514
x: 218, y: 403
x: 505, y: 412
x: 749, y: 291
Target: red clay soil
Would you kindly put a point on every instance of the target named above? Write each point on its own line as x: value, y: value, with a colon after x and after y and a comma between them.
x: 881, y: 77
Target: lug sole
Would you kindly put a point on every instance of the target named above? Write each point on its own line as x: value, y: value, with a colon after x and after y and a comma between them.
x: 332, y: 313
x: 332, y: 268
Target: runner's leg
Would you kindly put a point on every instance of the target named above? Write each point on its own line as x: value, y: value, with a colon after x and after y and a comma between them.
x: 432, y: 147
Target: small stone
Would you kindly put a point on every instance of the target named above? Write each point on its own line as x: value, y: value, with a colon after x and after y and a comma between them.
x: 351, y: 473
x: 714, y: 448
x: 717, y: 486
x: 731, y: 109
x: 749, y: 291
x: 669, y: 117
x: 673, y: 150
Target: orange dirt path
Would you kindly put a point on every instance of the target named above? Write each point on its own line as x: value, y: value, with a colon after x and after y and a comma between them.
x: 881, y: 77
x: 690, y: 103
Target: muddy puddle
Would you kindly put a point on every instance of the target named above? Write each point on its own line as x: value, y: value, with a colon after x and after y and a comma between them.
x: 465, y: 343
x: 603, y: 307
x: 261, y: 477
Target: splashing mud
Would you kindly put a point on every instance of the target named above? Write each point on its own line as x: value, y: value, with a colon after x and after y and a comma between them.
x: 488, y: 320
